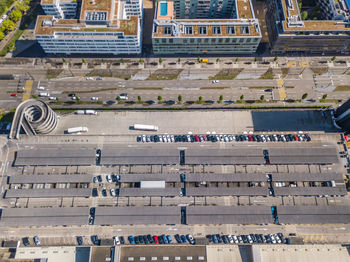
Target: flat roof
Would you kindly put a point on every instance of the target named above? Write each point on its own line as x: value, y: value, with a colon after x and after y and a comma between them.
x: 44, y: 216
x: 48, y: 193
x: 55, y: 157
x: 40, y: 179
x: 303, y: 155
x: 235, y: 177
x: 310, y: 191
x: 228, y: 215
x: 227, y: 191
x: 133, y: 178
x: 137, y: 215
x: 141, y: 192
x: 307, y: 177
x: 140, y: 156
x: 224, y: 156
x: 313, y: 214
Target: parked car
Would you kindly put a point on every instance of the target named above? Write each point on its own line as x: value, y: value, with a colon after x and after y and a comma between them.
x: 131, y: 240
x: 123, y: 96
x: 155, y: 238
x: 94, y: 98
x: 52, y: 98
x: 116, y: 240
x: 178, y: 238
x: 26, y: 241
x: 14, y: 94
x: 183, y: 238
x: 113, y: 192
x: 80, y: 240
x: 190, y: 239
x: 36, y: 240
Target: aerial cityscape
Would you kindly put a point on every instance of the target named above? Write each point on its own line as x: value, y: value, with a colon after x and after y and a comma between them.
x: 174, y: 130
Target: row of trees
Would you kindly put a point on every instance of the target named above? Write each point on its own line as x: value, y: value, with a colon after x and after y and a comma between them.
x: 16, y: 14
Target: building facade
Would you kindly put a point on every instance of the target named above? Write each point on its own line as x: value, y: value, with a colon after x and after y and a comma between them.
x: 289, y: 33
x: 205, y: 27
x: 60, y: 8
x: 102, y: 27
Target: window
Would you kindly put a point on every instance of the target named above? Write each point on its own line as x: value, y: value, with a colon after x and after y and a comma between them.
x: 188, y: 30
x: 192, y: 41
x: 171, y: 40
x: 244, y: 30
x: 230, y: 30
x: 216, y: 30
x: 167, y: 30
x: 202, y: 30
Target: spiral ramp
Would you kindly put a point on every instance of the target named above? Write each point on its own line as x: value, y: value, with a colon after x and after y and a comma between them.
x: 33, y: 117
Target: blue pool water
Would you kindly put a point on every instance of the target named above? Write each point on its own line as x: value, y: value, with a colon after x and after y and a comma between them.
x: 163, y: 9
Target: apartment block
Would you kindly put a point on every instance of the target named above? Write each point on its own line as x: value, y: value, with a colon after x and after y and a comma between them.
x: 205, y: 27
x: 102, y: 27
x: 60, y: 8
x: 289, y: 33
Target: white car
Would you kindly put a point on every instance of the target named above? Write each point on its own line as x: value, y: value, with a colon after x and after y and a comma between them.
x: 94, y: 98
x: 230, y: 239
x: 235, y: 239
x: 143, y: 138
x: 250, y: 240
x: 53, y: 98
x: 41, y: 88
x: 172, y: 138
x: 215, y: 81
x: 113, y: 192
x: 123, y: 96
x: 89, y: 78
x: 225, y: 138
x: 116, y: 240
x: 109, y: 178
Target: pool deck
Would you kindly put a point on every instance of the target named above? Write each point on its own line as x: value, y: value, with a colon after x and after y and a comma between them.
x: 170, y: 10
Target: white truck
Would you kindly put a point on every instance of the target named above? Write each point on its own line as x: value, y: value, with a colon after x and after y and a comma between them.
x: 86, y: 112
x: 44, y: 94
x: 145, y: 127
x: 78, y: 129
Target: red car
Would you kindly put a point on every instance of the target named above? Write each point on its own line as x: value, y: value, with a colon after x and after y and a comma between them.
x: 197, y: 138
x: 155, y: 238
x: 13, y: 94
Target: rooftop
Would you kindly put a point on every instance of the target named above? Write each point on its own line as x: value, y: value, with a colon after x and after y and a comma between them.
x: 293, y: 20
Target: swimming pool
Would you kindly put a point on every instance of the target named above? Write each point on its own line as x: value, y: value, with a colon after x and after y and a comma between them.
x: 163, y: 9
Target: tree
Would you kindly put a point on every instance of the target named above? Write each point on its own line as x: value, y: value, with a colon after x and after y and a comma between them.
x: 7, y: 25
x: 160, y: 99
x: 242, y: 97
x: 83, y: 60
x: 2, y: 35
x: 141, y: 60
x: 262, y: 98
x: 200, y: 99
x: 16, y: 15
x: 179, y: 98
x: 255, y: 59
x: 118, y: 99
x: 324, y: 96
x: 160, y: 60
x: 217, y: 60
x: 63, y: 60
x: 22, y: 6
x: 179, y: 60
x: 333, y: 58
x: 221, y: 97
x: 198, y: 59
x: 236, y: 60
x: 275, y: 59
x: 304, y: 15
x: 304, y: 96
x: 139, y: 99
x: 122, y: 60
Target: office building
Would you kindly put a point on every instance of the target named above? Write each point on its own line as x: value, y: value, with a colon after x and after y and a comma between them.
x: 289, y: 33
x: 102, y: 27
x: 205, y: 27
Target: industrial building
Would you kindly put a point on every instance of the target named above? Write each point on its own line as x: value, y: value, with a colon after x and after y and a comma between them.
x: 205, y: 27
x: 101, y: 27
x: 342, y: 116
x: 288, y: 32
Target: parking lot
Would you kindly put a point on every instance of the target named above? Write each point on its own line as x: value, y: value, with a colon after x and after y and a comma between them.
x: 174, y: 183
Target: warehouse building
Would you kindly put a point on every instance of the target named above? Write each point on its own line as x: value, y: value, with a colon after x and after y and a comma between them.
x: 205, y: 27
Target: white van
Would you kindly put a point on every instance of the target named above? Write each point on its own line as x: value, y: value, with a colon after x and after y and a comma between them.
x: 41, y: 88
x: 44, y: 94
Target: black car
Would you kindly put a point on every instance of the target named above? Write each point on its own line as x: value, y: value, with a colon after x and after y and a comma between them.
x: 170, y: 102
x: 145, y: 240
x: 26, y: 241
x: 140, y: 239
x: 104, y: 192
x: 79, y: 240
x: 219, y: 238
x: 92, y: 211
x: 160, y: 239
x: 245, y: 239
x: 94, y: 192
x: 95, y: 240
x: 137, y: 241
x: 210, y: 238
x: 71, y: 94
x: 91, y: 220
x: 150, y: 102
x: 122, y: 240
x: 224, y: 238
x: 178, y: 238
x: 150, y: 239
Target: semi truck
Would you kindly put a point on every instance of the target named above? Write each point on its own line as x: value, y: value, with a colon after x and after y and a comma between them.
x: 145, y: 127
x: 86, y: 112
x: 78, y: 129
